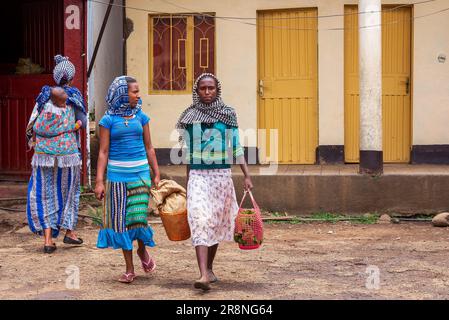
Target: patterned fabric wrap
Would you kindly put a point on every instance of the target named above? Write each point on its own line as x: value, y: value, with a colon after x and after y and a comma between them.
x: 54, y: 128
x: 118, y: 99
x: 75, y: 99
x: 211, y: 206
x: 43, y: 97
x: 126, y: 204
x: 137, y: 199
x: 207, y: 113
x: 64, y: 69
x: 53, y: 199
x: 125, y: 210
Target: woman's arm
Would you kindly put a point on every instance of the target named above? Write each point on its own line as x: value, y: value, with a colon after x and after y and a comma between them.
x: 102, y: 162
x: 151, y: 155
x: 238, y: 152
x: 248, y: 183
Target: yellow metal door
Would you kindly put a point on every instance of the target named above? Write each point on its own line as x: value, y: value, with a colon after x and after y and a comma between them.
x: 396, y: 76
x: 287, y: 83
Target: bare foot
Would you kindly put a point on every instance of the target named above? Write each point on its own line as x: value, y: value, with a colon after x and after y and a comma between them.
x: 202, y: 283
x: 147, y: 261
x: 212, y: 277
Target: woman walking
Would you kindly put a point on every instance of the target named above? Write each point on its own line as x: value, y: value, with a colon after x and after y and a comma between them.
x: 210, y: 130
x: 127, y: 152
x: 54, y: 187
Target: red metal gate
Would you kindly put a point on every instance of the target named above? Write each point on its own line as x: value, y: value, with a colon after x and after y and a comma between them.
x: 43, y: 35
x: 17, y: 94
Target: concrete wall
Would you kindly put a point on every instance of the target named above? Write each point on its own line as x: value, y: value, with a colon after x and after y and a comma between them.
x: 236, y: 61
x: 109, y: 60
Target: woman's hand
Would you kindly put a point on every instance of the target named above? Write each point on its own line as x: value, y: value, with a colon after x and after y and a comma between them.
x: 78, y: 125
x: 248, y: 183
x: 99, y: 190
x: 156, y: 180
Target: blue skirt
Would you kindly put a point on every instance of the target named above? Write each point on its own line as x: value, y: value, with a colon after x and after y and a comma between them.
x: 53, y: 199
x: 108, y: 238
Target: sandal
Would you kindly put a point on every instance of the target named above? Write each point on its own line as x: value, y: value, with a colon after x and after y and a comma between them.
x: 69, y: 240
x: 127, y: 277
x: 149, y: 266
x: 50, y: 249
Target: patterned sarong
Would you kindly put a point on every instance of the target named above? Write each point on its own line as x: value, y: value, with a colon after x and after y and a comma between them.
x: 53, y: 198
x: 211, y: 206
x: 125, y: 212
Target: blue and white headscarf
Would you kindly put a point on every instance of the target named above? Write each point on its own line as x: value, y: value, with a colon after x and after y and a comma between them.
x: 64, y: 69
x: 118, y: 99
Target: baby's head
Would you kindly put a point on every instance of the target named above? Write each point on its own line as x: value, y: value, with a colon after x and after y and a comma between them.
x: 58, y: 97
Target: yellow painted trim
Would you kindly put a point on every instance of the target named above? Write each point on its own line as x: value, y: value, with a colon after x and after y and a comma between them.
x: 179, y: 53
x: 207, y: 52
x: 188, y: 51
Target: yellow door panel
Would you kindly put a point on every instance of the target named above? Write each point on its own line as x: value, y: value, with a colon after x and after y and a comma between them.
x: 396, y: 72
x: 287, y: 83
x: 288, y: 88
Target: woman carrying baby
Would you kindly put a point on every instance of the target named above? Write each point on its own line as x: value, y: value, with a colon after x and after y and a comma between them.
x: 54, y: 187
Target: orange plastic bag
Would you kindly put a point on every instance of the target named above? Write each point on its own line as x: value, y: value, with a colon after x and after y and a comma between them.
x: 248, y: 231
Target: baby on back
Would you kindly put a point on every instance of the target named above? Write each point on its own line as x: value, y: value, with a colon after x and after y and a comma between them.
x: 58, y: 98
x: 55, y: 126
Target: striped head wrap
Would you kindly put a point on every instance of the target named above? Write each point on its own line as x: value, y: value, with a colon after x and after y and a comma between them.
x: 118, y: 99
x: 207, y: 113
x: 64, y: 70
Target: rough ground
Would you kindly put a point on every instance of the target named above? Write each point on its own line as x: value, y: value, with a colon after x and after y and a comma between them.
x: 297, y: 261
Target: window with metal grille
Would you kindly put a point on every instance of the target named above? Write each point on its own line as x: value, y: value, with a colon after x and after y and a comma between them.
x: 181, y: 47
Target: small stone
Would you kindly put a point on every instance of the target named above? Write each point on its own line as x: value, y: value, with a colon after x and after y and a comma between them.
x: 384, y: 219
x: 441, y: 220
x: 398, y: 238
x: 23, y: 230
x: 330, y: 232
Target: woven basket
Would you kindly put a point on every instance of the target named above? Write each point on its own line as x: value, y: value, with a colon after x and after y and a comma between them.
x: 248, y: 232
x: 176, y: 225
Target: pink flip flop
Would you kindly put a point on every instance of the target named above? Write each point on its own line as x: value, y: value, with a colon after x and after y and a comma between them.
x: 127, y: 277
x: 149, y: 266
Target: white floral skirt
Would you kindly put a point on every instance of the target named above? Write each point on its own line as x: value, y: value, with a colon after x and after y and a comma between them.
x: 211, y: 206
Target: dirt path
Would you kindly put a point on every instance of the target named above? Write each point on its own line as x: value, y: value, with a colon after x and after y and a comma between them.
x: 303, y: 261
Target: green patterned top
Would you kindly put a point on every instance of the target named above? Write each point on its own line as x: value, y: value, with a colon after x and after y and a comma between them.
x: 212, y: 146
